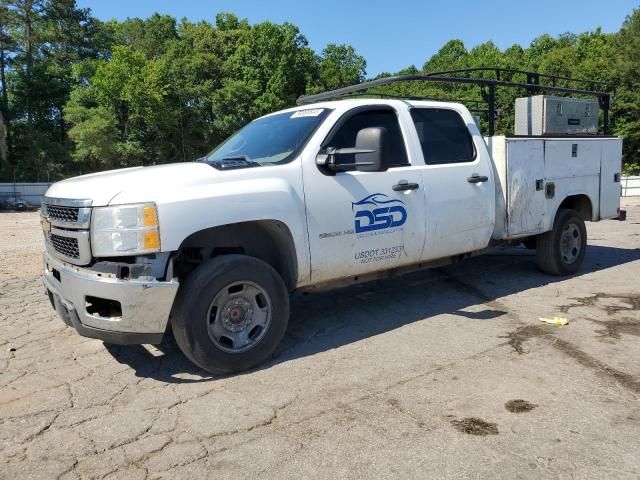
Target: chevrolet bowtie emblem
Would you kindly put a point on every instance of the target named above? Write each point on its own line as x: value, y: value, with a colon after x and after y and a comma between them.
x: 46, y: 225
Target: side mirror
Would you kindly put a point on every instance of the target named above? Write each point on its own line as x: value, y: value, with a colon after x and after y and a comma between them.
x: 369, y: 152
x: 371, y: 149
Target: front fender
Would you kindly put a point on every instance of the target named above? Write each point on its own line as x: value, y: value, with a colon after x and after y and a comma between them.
x: 242, y: 196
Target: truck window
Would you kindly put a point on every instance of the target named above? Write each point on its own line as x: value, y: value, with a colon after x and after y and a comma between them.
x: 443, y: 135
x: 274, y: 139
x: 345, y: 137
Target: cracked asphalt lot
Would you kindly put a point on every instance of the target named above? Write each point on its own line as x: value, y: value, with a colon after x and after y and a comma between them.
x: 439, y: 374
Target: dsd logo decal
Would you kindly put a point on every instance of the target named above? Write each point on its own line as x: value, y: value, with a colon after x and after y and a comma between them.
x: 378, y: 212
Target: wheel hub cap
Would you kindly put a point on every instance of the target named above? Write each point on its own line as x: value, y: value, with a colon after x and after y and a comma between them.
x: 570, y: 243
x: 237, y: 314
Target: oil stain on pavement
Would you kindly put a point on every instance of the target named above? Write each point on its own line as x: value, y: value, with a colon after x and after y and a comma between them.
x: 475, y: 426
x: 519, y: 406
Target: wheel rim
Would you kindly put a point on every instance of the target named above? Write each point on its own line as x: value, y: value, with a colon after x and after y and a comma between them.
x: 239, y: 317
x: 570, y: 243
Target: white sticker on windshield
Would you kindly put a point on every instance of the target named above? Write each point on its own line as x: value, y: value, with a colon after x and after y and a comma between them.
x: 314, y: 112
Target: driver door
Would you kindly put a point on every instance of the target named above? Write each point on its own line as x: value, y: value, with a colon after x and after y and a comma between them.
x: 361, y: 222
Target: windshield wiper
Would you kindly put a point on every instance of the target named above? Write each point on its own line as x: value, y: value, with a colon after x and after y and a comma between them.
x: 236, y: 161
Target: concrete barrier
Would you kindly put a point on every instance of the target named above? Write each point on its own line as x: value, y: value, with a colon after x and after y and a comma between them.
x: 31, y: 192
x: 630, y: 186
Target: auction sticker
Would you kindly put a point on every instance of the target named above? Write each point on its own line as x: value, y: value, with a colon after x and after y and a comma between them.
x: 313, y: 112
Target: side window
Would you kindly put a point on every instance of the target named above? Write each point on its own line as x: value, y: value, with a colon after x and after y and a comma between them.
x: 443, y: 135
x: 345, y: 137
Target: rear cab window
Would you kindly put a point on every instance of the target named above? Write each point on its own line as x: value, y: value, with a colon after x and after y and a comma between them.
x: 444, y: 136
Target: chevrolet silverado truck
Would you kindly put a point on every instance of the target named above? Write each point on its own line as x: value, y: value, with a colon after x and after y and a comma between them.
x: 316, y: 196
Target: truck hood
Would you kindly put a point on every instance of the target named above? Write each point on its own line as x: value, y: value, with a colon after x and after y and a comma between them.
x: 103, y: 187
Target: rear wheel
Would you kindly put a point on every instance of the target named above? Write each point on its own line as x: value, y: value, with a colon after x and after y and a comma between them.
x: 561, y: 251
x: 230, y: 313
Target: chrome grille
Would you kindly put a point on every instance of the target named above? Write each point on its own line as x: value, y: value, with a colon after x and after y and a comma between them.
x: 67, y: 213
x: 65, y: 246
x: 66, y: 223
x: 62, y: 214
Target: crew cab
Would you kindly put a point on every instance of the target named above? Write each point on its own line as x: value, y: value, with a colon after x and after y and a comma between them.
x: 315, y: 196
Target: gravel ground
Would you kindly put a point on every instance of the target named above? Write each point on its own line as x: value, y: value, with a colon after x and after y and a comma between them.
x: 445, y: 373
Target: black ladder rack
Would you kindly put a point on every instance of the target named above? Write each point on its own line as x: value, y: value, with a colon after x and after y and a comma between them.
x: 532, y: 86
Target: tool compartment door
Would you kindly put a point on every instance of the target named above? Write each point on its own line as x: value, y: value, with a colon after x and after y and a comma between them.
x: 526, y: 209
x: 610, y: 171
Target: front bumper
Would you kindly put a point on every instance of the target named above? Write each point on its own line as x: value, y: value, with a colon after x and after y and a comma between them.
x: 145, y: 305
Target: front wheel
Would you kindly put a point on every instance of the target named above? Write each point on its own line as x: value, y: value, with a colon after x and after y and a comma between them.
x: 230, y: 313
x: 561, y: 251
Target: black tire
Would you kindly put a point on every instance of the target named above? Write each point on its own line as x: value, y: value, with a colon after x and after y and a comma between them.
x: 550, y: 255
x: 190, y: 318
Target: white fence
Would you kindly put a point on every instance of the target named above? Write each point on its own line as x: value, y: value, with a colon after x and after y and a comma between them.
x: 631, y: 186
x: 31, y: 192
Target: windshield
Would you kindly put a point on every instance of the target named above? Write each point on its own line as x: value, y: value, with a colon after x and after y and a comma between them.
x: 269, y: 140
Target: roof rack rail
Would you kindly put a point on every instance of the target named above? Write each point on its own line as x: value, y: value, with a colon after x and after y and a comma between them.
x: 475, y: 108
x: 532, y: 77
x: 532, y: 85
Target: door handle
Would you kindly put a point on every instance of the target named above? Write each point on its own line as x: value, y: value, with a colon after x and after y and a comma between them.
x: 475, y: 178
x: 404, y: 186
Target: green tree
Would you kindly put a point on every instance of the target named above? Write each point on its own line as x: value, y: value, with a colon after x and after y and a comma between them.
x: 271, y: 60
x: 71, y: 35
x: 94, y: 131
x: 627, y: 102
x: 7, y: 47
x: 126, y: 91
x: 49, y: 38
x: 453, y: 55
x: 340, y: 66
x: 151, y: 37
x: 30, y: 27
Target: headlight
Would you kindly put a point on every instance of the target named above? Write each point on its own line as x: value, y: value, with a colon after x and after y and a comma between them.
x: 125, y: 230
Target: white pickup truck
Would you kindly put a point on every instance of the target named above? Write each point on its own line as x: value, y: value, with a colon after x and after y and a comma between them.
x: 315, y: 196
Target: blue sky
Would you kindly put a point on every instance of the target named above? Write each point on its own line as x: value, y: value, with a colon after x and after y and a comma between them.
x: 395, y: 34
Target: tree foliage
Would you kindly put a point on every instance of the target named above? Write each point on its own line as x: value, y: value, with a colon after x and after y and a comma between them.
x: 340, y: 66
x: 627, y: 107
x: 80, y: 95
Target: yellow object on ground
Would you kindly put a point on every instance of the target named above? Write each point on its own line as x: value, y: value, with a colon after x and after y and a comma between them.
x: 555, y: 320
